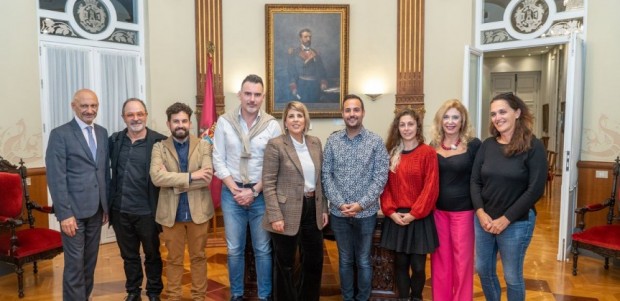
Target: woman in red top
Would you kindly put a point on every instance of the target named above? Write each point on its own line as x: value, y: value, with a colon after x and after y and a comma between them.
x: 408, y: 200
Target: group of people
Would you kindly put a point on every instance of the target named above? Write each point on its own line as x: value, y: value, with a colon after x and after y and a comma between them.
x: 445, y: 198
x: 145, y: 184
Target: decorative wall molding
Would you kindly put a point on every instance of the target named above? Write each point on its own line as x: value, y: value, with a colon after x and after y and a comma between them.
x: 410, y: 55
x: 604, y: 141
x: 17, y: 142
x: 513, y: 21
x: 89, y: 20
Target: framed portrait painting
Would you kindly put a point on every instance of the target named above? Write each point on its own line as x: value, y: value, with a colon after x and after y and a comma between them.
x: 307, y: 50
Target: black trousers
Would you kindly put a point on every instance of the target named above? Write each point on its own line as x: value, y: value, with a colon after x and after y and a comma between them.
x: 299, y: 281
x: 131, y: 232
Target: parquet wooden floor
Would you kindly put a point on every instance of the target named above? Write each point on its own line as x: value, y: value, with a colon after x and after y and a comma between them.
x: 546, y: 278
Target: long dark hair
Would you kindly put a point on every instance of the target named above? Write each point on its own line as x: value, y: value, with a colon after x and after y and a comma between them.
x: 521, y: 140
x: 394, y: 142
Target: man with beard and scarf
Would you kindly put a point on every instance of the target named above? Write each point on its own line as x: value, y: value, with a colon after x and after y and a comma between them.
x: 133, y: 201
x: 181, y: 166
x: 355, y: 170
x: 239, y: 147
x: 306, y: 74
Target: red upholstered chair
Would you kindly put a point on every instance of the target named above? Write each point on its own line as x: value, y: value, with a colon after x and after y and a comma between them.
x: 603, y: 240
x: 20, y: 241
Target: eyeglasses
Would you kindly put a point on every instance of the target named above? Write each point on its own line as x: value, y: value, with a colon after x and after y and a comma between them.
x: 134, y: 115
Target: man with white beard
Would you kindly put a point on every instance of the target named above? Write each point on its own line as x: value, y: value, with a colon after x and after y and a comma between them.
x: 134, y: 201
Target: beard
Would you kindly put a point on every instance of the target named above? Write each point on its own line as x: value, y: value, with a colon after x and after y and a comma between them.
x: 180, y: 135
x: 136, y: 126
x: 353, y: 123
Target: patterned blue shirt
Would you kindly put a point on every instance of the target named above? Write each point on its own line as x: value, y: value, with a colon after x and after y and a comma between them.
x: 354, y: 170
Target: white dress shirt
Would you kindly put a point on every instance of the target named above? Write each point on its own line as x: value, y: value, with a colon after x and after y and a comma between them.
x: 307, y: 165
x: 84, y: 128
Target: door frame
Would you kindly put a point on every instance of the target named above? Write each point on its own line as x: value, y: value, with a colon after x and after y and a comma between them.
x: 568, y: 163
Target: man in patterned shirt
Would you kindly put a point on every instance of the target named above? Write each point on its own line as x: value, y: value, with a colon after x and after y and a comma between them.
x: 355, y: 169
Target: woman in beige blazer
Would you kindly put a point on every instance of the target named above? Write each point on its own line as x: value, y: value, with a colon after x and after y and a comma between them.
x: 295, y: 208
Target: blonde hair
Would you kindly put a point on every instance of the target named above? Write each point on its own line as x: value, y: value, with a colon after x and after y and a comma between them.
x: 466, y: 132
x: 297, y: 106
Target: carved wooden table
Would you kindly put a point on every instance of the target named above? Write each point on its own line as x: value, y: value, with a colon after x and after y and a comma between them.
x: 383, y: 284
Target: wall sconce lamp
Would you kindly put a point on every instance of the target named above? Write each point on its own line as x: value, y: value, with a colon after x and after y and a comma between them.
x: 374, y: 97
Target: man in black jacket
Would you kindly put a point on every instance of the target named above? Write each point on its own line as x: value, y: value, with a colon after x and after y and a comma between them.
x: 133, y: 201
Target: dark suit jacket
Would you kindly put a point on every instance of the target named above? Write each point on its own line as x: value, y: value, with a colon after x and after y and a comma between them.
x: 77, y: 183
x: 283, y: 183
x: 115, y: 143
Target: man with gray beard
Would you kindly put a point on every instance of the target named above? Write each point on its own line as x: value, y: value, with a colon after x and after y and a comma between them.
x: 133, y: 201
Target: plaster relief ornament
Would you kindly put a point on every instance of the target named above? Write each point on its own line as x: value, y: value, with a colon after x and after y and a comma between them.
x: 529, y: 15
x: 91, y: 15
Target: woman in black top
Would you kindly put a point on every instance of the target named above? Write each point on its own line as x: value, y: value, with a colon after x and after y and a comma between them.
x: 452, y: 264
x: 507, y: 179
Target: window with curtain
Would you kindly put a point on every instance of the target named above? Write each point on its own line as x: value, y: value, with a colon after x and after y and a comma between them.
x: 100, y: 50
x: 113, y: 75
x: 94, y: 44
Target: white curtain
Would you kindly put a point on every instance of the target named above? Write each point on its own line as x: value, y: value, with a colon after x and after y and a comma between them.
x: 68, y: 70
x: 119, y: 81
x: 115, y: 79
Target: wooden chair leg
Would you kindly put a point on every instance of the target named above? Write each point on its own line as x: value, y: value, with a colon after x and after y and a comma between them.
x: 20, y: 280
x: 575, y: 257
x: 607, y: 263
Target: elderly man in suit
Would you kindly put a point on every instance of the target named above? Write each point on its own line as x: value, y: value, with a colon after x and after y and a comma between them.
x: 77, y: 176
x: 295, y: 208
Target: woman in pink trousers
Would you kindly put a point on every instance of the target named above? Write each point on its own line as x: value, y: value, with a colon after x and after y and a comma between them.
x: 452, y: 264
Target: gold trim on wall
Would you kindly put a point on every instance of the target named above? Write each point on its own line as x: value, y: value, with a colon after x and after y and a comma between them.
x: 410, y: 55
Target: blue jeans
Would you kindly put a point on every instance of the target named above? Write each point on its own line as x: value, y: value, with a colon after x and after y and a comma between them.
x: 354, y: 240
x: 236, y: 220
x: 511, y: 244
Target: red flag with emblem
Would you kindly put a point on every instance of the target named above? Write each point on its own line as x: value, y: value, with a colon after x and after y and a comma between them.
x: 208, y: 121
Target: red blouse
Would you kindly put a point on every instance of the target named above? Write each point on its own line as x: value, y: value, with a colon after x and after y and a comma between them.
x: 415, y: 184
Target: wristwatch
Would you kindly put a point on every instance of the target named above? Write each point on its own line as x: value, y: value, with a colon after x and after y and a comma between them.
x: 254, y: 192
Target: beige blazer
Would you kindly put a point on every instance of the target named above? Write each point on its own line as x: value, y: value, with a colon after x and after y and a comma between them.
x: 172, y: 182
x: 283, y: 183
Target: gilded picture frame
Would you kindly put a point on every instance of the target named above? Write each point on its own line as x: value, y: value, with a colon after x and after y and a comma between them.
x: 307, y: 49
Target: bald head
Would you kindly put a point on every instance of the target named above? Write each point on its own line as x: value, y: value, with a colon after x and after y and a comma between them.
x: 85, y: 105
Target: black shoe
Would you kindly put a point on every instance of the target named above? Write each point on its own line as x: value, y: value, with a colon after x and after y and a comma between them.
x: 236, y: 298
x: 133, y: 297
x: 154, y: 298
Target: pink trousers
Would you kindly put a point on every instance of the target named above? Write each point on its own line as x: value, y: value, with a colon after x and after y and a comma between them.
x: 452, y: 264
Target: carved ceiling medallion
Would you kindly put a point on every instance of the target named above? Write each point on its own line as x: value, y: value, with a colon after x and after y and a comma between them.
x: 529, y: 15
x: 91, y: 15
